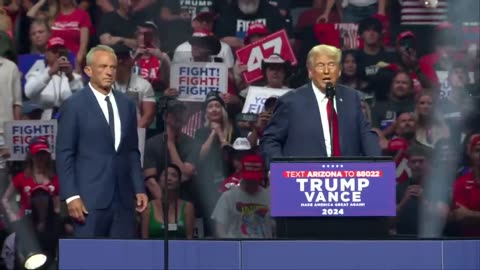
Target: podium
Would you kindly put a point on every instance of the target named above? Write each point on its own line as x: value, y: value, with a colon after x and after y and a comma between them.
x: 332, y: 198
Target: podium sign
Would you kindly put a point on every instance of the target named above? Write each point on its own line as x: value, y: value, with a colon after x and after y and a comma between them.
x: 332, y: 188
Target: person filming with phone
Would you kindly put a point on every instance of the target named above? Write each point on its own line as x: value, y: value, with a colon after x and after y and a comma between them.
x: 51, y: 86
x: 150, y: 62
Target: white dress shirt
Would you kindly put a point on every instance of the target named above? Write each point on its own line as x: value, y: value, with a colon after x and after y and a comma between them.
x: 322, y: 101
x: 116, y: 118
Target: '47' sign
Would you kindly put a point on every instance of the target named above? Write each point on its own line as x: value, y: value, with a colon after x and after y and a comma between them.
x: 253, y: 54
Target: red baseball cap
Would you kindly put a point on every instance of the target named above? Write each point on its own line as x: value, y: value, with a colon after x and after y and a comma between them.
x: 252, y: 168
x: 55, y: 42
x: 38, y: 144
x: 397, y: 144
x: 406, y: 34
x: 258, y: 29
x: 474, y: 140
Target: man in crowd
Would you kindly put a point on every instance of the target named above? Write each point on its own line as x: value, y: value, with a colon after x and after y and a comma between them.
x: 134, y: 86
x: 400, y: 100
x: 466, y: 193
x: 244, y: 210
x: 410, y: 194
x: 98, y: 161
x: 203, y: 21
x: 51, y: 86
x: 39, y: 34
x: 373, y: 55
x: 179, y: 147
x: 292, y: 132
x: 233, y: 23
x: 117, y: 27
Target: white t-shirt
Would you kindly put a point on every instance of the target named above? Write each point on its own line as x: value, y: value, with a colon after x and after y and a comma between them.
x: 183, y: 54
x: 359, y: 3
x: 245, y: 215
x: 139, y: 89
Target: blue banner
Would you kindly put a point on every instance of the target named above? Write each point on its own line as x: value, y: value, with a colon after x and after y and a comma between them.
x: 336, y: 188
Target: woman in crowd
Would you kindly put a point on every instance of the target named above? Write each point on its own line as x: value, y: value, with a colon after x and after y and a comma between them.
x: 351, y: 76
x: 181, y: 216
x: 74, y: 26
x: 430, y: 126
x: 212, y: 165
x: 38, y: 172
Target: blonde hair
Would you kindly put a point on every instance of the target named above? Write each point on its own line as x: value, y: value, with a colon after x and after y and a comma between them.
x: 330, y: 51
x: 98, y: 48
x: 226, y: 125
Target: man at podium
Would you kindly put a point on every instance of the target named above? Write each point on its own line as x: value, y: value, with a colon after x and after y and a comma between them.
x: 322, y: 119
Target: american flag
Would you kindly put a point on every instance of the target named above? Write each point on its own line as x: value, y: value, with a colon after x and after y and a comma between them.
x: 415, y: 12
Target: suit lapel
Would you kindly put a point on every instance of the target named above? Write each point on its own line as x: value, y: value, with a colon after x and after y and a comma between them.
x: 340, y: 108
x: 123, y: 114
x: 311, y: 102
x: 97, y: 110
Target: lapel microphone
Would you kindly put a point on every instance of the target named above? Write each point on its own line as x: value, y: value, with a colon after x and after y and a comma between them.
x: 329, y: 90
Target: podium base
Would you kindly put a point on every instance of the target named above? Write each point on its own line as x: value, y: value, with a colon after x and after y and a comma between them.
x: 332, y: 228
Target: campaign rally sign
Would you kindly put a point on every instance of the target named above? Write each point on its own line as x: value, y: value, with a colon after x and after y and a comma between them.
x: 253, y: 54
x: 28, y: 63
x: 195, y: 80
x: 256, y: 98
x: 333, y: 188
x: 19, y: 133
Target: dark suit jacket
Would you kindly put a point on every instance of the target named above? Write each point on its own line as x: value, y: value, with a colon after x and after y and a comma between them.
x: 87, y: 163
x: 296, y: 128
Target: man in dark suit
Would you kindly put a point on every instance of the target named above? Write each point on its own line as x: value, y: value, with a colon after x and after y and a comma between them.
x: 300, y: 126
x: 98, y: 160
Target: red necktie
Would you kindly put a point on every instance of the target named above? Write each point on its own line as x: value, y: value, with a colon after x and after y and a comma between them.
x: 335, y: 135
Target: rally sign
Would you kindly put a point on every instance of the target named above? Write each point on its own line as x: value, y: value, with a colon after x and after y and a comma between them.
x: 336, y: 188
x: 19, y: 133
x: 253, y: 54
x: 195, y: 80
x: 256, y: 97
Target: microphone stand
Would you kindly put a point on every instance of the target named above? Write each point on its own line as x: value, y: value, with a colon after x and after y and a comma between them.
x: 165, y: 203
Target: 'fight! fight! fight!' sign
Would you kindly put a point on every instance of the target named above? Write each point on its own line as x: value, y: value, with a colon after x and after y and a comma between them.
x: 19, y: 133
x: 336, y: 188
x: 195, y: 80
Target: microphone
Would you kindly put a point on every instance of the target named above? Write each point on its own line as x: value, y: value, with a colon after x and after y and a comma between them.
x: 329, y: 90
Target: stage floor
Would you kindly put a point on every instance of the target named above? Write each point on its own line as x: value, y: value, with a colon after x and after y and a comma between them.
x: 278, y: 255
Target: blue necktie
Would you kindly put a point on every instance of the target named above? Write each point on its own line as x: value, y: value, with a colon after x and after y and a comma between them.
x: 111, y: 121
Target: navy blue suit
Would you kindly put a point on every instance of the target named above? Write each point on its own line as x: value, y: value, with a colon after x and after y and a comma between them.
x: 89, y: 166
x: 295, y: 130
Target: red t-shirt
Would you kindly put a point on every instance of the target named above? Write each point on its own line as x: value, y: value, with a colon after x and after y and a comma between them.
x: 467, y: 193
x: 67, y: 26
x: 24, y: 186
x: 149, y: 69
